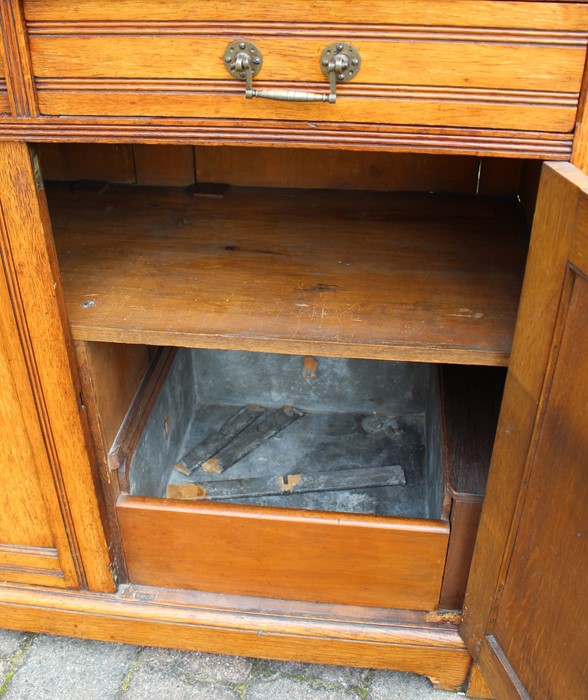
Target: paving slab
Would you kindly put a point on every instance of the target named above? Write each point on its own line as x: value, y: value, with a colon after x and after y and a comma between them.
x: 290, y: 689
x: 59, y: 667
x: 5, y: 670
x: 149, y: 684
x: 203, y: 667
x: 337, y: 676
x: 391, y: 685
x: 10, y: 641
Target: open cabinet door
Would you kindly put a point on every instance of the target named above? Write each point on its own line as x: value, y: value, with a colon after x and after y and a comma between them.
x: 51, y: 530
x: 526, y: 611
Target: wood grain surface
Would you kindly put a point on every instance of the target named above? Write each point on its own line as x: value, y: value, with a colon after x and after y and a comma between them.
x: 16, y: 59
x: 87, y: 161
x: 292, y: 134
x: 31, y: 527
x: 66, y: 467
x: 442, y: 13
x: 282, y: 553
x: 313, y: 633
x: 420, y: 277
x: 416, y: 69
x: 550, y: 556
x: 4, y: 104
x: 281, y: 167
x: 470, y: 406
x: 528, y: 541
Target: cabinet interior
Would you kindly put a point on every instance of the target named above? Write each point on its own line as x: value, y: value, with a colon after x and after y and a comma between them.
x: 356, y: 287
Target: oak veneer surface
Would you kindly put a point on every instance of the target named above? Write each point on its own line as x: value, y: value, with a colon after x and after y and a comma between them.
x: 544, y: 590
x: 315, y: 633
x: 23, y: 516
x: 28, y: 545
x: 530, y: 557
x: 465, y: 13
x: 469, y: 64
x: 283, y: 553
x: 394, y: 276
x: 43, y: 383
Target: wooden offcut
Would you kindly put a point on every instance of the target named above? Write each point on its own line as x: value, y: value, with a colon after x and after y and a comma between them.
x: 216, y: 441
x: 309, y: 482
x: 251, y: 438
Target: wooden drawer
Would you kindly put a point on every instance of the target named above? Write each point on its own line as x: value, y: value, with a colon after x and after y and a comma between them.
x: 382, y: 546
x: 489, y: 65
x: 379, y: 546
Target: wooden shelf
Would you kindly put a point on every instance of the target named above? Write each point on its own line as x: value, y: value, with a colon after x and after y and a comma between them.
x: 424, y: 277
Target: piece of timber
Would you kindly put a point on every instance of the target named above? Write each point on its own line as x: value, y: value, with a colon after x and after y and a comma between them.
x: 335, y: 480
x: 443, y: 272
x: 315, y: 633
x: 216, y: 441
x: 251, y: 438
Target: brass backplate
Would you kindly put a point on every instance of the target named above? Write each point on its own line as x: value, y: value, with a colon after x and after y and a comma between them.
x: 341, y: 48
x: 238, y: 51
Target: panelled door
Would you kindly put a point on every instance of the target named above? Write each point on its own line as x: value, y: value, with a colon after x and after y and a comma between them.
x: 51, y: 526
x: 526, y: 612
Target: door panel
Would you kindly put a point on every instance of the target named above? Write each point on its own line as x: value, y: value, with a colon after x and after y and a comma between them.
x: 526, y: 608
x: 51, y: 528
x: 30, y: 528
x: 543, y: 613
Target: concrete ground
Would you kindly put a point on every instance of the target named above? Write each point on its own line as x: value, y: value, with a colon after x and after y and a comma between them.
x: 40, y: 667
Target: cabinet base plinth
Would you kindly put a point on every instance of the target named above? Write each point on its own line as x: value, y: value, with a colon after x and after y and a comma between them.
x: 282, y: 630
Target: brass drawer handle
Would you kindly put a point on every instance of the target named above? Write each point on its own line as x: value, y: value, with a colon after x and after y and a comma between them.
x: 340, y: 62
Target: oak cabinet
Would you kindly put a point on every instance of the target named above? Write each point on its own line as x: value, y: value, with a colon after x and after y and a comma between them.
x: 356, y: 256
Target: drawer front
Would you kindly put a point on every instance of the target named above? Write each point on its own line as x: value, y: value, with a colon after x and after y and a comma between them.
x: 499, y: 65
x: 277, y: 553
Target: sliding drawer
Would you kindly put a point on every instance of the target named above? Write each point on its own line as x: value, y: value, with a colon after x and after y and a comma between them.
x: 347, y: 503
x: 490, y: 65
x: 344, y: 504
